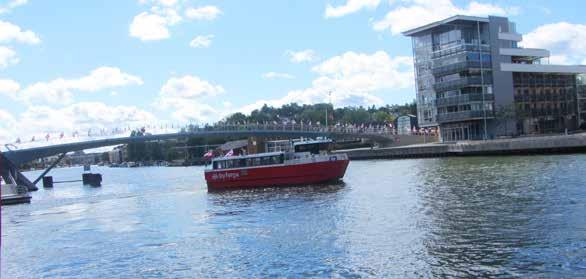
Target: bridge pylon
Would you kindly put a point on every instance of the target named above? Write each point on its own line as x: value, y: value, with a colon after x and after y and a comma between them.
x: 9, y: 172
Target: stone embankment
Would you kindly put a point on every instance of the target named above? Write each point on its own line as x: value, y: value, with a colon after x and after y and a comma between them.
x: 524, y: 145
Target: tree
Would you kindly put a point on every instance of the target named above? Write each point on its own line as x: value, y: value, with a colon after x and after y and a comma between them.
x: 236, y: 118
x: 382, y: 117
x: 317, y: 113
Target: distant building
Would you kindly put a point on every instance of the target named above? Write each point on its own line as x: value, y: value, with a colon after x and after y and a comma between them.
x: 81, y: 158
x: 116, y: 156
x: 406, y: 123
x: 474, y: 82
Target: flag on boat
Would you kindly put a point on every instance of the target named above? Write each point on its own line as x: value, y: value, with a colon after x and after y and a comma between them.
x: 209, y: 154
x: 230, y: 153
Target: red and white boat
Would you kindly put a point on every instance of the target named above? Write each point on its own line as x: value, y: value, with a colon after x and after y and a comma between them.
x: 310, y: 162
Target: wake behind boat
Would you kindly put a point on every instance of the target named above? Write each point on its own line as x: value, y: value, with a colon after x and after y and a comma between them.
x: 309, y: 162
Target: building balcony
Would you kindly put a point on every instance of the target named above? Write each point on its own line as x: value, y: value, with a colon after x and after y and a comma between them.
x: 459, y: 48
x: 463, y: 99
x: 460, y: 67
x: 464, y: 116
x: 510, y: 36
x: 459, y: 83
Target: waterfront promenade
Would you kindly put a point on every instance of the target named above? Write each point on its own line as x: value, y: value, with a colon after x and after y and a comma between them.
x: 511, y: 146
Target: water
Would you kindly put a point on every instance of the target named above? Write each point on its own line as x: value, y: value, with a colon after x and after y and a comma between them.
x: 481, y: 216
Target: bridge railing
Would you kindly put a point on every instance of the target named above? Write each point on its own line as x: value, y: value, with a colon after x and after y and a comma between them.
x: 378, y: 130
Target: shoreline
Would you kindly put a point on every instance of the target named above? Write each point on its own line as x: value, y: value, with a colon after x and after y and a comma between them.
x: 559, y: 144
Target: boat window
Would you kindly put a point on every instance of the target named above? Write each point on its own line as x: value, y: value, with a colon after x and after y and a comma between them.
x: 312, y: 148
x: 249, y: 162
x: 276, y: 160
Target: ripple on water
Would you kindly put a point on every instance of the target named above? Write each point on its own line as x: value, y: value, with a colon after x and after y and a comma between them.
x: 449, y: 217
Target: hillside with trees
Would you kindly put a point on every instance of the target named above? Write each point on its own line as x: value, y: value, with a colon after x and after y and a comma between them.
x: 317, y: 113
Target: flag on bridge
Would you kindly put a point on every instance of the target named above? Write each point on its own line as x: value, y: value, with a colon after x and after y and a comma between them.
x: 209, y: 154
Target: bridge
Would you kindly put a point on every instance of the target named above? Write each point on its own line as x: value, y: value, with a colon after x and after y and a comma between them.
x: 10, y: 160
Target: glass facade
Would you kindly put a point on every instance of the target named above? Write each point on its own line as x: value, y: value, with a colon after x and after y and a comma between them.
x: 454, y: 79
x: 462, y: 89
x: 545, y: 102
x: 422, y: 51
x: 581, y: 96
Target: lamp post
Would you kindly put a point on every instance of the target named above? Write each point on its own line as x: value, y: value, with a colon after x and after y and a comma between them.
x: 330, y: 102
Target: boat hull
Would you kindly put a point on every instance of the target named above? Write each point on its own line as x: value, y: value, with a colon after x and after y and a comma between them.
x: 280, y: 175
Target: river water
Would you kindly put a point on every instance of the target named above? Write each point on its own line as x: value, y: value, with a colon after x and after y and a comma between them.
x: 477, y: 216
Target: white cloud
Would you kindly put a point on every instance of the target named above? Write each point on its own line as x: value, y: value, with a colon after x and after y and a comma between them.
x: 307, y: 55
x: 351, y: 6
x: 39, y: 120
x: 167, y: 2
x: 413, y: 13
x: 9, y: 88
x: 11, y: 5
x: 566, y: 41
x: 203, y: 13
x: 81, y: 117
x: 186, y: 97
x: 149, y: 27
x: 201, y: 41
x: 7, y: 57
x: 198, y: 113
x: 61, y: 90
x: 154, y: 24
x: 275, y: 75
x: 351, y: 78
x: 7, y: 126
x: 189, y: 87
x: 13, y: 33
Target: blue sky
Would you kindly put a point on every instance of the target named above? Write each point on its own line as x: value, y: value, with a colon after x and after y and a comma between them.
x: 74, y: 65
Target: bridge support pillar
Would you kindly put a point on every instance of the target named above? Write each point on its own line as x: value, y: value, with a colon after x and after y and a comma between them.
x: 9, y: 171
x: 49, y: 168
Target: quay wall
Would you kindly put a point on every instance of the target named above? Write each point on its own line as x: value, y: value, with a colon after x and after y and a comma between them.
x: 528, y: 145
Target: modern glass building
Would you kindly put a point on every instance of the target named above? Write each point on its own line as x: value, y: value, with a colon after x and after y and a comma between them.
x: 474, y: 82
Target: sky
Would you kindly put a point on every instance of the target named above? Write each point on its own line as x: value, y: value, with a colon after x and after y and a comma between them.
x: 73, y: 66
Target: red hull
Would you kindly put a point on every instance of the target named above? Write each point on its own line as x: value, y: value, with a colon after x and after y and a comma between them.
x: 299, y: 174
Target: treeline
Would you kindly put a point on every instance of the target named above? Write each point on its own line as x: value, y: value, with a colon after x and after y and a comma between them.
x: 191, y: 150
x: 317, y: 114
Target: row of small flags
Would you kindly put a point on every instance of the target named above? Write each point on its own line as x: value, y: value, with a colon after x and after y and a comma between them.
x: 98, y: 132
x: 426, y: 131
x: 104, y: 132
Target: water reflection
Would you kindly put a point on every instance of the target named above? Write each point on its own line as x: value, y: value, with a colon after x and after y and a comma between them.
x: 276, y: 231
x: 448, y: 217
x: 484, y: 216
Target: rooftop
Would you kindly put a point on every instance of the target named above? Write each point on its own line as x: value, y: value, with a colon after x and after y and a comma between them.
x: 444, y: 21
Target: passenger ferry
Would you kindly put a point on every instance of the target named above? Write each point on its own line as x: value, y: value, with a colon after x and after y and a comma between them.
x: 309, y: 162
